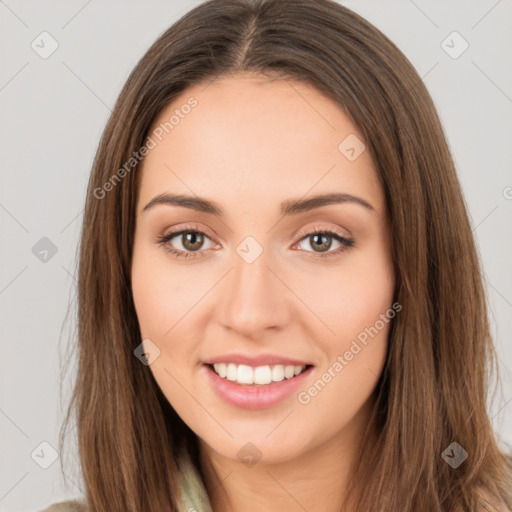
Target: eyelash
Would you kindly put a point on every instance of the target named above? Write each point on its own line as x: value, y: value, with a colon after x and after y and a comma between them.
x: 346, y: 242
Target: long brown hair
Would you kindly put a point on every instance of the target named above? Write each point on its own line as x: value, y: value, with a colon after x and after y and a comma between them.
x: 433, y: 389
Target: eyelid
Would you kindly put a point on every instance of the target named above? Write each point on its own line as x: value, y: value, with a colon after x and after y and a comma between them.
x: 187, y: 228
x: 165, y: 237
x: 346, y: 240
x: 304, y: 232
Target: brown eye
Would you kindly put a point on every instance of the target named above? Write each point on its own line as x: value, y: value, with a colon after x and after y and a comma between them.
x: 320, y: 240
x: 192, y: 241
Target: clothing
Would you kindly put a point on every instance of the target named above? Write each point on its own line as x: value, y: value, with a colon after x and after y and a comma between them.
x: 194, y: 497
x: 193, y: 492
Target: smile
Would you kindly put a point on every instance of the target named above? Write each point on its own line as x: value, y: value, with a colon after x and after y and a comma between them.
x: 257, y: 389
x: 259, y: 375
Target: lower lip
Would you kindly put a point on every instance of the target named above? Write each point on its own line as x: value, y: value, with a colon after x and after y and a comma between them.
x: 248, y: 396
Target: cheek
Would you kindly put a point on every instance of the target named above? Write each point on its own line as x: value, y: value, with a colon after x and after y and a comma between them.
x: 361, y: 297
x: 161, y: 294
x: 161, y: 299
x: 357, y: 305
x: 149, y: 296
x: 348, y: 299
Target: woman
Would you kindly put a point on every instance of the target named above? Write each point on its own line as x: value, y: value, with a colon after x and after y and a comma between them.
x: 230, y: 356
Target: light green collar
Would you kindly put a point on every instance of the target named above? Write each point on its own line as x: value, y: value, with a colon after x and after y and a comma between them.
x: 194, y: 497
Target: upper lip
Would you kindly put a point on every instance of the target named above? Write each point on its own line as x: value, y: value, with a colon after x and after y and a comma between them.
x: 259, y: 360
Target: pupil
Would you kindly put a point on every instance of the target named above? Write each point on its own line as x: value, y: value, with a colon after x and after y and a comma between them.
x: 193, y: 241
x: 322, y: 245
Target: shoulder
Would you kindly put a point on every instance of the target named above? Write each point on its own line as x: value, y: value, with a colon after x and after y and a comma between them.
x: 67, y: 506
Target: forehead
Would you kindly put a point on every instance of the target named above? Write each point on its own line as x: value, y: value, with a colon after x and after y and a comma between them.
x: 251, y: 140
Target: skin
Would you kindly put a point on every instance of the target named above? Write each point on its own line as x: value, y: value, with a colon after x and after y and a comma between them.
x: 248, y: 145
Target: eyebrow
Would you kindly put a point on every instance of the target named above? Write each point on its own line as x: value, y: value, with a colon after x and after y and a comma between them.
x: 288, y: 207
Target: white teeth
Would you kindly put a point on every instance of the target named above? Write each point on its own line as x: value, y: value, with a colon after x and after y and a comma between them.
x: 244, y: 374
x: 262, y: 375
x: 231, y: 372
x: 278, y: 373
x: 289, y: 371
x: 221, y: 369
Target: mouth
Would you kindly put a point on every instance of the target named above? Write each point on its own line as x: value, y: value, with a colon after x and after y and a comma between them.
x: 256, y: 387
x: 257, y: 376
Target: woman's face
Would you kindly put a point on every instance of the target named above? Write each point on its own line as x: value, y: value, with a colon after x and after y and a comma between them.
x: 256, y: 286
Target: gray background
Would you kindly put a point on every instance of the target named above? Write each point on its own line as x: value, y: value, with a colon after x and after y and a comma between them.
x: 53, y: 112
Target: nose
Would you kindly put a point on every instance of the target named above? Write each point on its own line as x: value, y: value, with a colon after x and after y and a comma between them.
x: 254, y: 299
